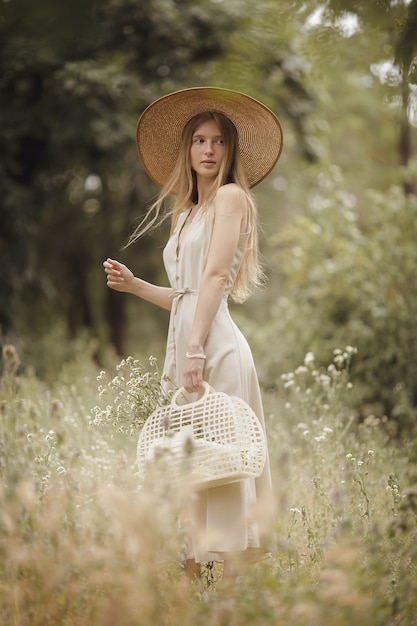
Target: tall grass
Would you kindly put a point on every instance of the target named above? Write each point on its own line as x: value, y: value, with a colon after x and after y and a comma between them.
x: 80, y: 544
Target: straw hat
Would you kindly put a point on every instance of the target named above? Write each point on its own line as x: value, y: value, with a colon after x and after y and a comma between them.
x: 159, y: 130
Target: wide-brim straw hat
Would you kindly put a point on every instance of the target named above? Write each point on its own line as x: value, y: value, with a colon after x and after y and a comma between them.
x: 159, y: 130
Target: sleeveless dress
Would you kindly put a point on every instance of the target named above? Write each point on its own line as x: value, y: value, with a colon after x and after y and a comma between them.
x: 223, y: 519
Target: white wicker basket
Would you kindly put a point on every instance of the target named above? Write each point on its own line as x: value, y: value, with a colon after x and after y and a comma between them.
x: 216, y: 440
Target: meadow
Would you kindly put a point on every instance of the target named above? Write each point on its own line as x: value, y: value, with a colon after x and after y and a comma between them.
x: 81, y: 544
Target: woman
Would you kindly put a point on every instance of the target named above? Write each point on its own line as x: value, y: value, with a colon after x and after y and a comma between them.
x: 207, y: 147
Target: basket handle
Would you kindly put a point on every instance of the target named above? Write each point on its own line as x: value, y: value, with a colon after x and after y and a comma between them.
x: 181, y: 392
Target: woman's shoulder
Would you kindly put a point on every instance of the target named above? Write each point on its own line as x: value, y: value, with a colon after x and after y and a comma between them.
x: 230, y: 190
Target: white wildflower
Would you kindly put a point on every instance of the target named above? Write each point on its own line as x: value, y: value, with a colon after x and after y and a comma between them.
x: 325, y: 380
x: 309, y: 358
x: 351, y: 350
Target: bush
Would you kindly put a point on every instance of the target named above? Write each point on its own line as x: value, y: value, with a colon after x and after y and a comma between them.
x: 350, y: 275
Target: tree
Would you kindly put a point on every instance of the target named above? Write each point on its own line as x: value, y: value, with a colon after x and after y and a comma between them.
x: 394, y: 24
x: 74, y: 80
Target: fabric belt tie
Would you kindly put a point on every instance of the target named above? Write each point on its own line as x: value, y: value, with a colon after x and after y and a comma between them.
x: 179, y: 293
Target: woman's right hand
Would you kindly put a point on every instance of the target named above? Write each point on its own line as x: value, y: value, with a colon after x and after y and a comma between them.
x: 119, y: 277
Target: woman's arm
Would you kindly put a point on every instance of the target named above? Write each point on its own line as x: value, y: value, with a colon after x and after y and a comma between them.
x: 230, y: 213
x: 120, y: 278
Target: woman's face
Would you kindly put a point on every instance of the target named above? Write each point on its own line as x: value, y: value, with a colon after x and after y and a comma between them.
x: 207, y: 150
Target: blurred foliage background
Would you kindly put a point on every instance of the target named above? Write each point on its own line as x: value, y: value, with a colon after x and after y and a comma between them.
x: 339, y: 213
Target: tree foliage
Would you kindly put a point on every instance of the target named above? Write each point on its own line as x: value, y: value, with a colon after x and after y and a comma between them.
x: 75, y: 79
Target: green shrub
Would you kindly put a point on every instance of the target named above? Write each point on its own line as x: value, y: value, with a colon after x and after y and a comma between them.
x: 350, y: 269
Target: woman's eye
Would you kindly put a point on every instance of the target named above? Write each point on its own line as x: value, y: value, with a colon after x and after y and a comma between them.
x: 201, y: 140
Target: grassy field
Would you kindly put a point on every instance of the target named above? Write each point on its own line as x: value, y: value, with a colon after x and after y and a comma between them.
x: 80, y: 544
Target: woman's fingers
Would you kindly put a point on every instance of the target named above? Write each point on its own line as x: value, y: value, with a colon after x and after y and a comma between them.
x: 193, y: 376
x: 116, y: 274
x: 112, y: 267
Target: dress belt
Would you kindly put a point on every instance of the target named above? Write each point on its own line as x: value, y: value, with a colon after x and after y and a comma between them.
x: 179, y: 293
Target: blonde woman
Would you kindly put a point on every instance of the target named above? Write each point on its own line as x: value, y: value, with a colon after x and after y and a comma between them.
x: 207, y: 147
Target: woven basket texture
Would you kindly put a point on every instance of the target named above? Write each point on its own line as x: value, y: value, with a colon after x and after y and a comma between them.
x: 216, y: 440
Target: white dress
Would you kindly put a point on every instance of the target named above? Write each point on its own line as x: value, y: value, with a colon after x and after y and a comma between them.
x: 224, y: 519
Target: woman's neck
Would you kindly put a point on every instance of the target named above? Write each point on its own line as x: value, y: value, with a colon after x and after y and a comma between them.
x: 204, y: 188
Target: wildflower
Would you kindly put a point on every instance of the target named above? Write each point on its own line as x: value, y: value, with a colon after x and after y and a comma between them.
x: 166, y: 421
x: 325, y: 380
x: 371, y: 452
x: 11, y: 359
x: 301, y: 369
x: 188, y: 444
x: 50, y: 436
x: 56, y: 406
x: 309, y: 358
x: 351, y: 350
x: 134, y: 393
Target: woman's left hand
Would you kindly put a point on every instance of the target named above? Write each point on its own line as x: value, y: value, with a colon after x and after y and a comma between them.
x: 193, y: 374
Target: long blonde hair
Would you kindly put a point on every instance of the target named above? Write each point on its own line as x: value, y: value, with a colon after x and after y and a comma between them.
x: 182, y: 183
